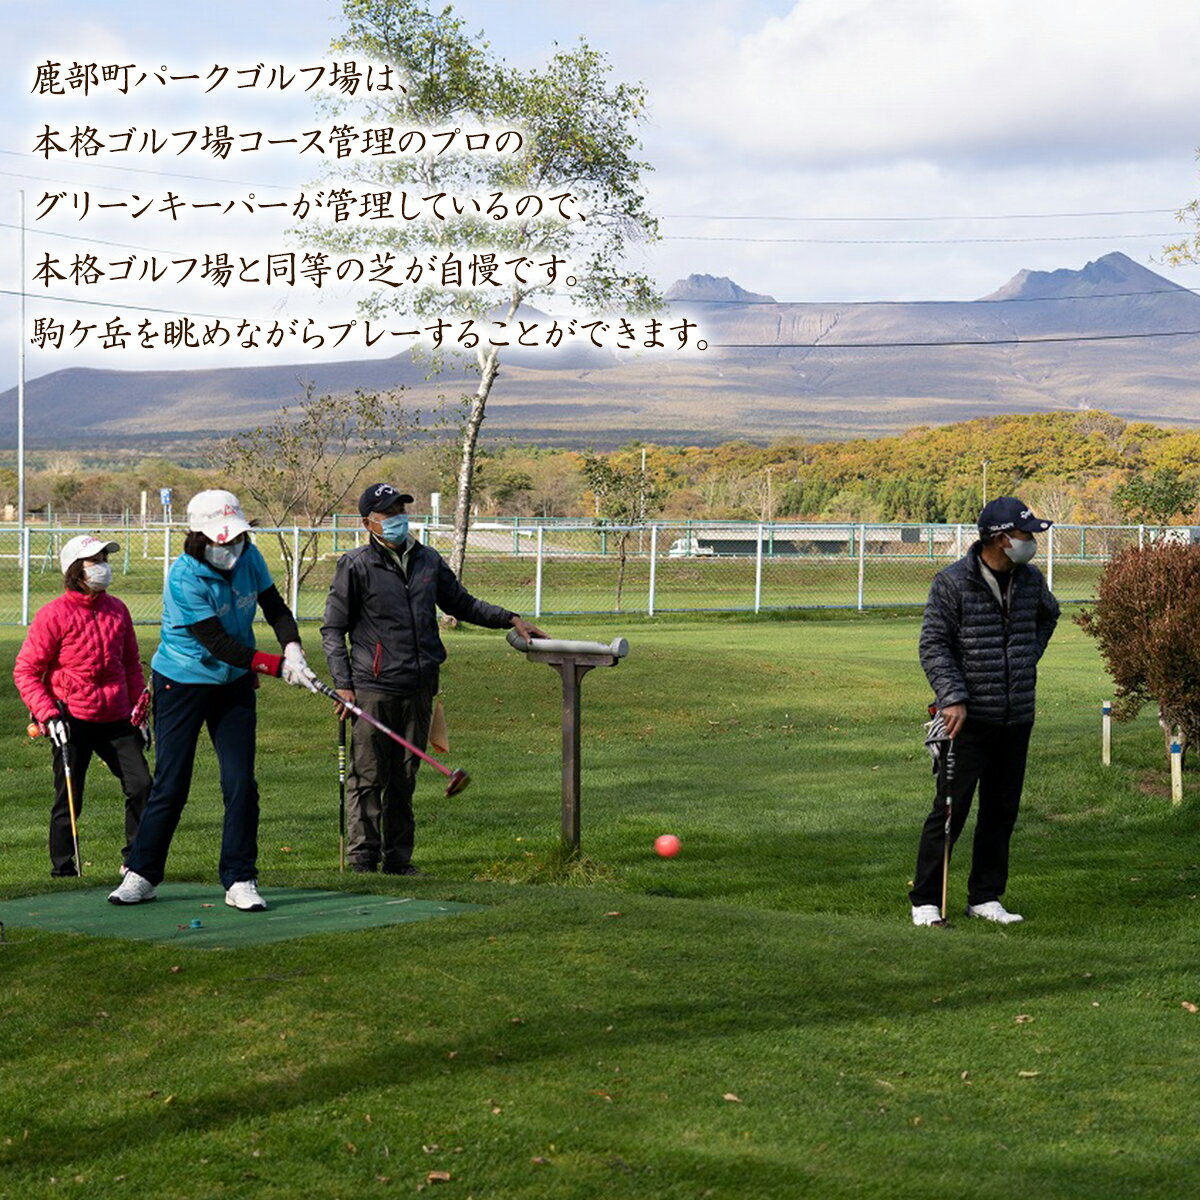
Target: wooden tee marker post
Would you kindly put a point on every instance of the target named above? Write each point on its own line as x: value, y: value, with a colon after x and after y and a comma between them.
x: 1106, y: 733
x: 572, y: 661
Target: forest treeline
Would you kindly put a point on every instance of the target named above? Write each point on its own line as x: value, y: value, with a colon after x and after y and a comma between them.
x: 1086, y: 467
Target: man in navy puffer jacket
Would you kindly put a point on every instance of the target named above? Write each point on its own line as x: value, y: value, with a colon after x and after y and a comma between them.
x: 987, y: 622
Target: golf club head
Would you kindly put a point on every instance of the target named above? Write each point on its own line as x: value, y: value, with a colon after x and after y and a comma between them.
x: 458, y: 780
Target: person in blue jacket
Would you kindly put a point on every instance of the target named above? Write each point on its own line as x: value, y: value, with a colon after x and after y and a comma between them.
x: 204, y: 675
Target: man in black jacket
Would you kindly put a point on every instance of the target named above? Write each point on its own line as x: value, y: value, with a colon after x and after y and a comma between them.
x: 384, y: 598
x: 987, y: 622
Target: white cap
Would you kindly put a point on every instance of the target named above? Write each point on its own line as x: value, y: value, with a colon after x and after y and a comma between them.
x: 84, y: 546
x: 216, y: 514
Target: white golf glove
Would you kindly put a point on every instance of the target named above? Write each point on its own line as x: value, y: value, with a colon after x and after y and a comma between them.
x: 57, y: 732
x: 296, y: 670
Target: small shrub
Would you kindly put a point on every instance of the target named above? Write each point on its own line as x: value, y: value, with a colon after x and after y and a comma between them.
x: 1147, y: 621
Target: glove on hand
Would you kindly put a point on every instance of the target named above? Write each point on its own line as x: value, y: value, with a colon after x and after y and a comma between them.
x: 57, y: 732
x: 141, y: 710
x: 296, y: 670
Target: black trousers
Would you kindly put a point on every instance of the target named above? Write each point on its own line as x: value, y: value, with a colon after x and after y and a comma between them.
x: 992, y: 757
x: 119, y: 746
x: 380, y: 826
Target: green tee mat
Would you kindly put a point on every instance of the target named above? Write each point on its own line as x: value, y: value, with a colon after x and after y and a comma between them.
x: 172, y: 916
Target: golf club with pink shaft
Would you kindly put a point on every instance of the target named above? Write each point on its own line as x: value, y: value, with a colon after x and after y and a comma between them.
x: 458, y: 778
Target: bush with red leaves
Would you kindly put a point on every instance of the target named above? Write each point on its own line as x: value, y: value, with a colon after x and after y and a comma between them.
x: 1147, y: 621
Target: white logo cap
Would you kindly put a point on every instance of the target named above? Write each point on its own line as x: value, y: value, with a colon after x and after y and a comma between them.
x: 216, y: 514
x: 84, y: 546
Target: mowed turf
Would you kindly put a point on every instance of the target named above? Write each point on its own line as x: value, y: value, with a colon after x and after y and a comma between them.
x: 756, y: 1017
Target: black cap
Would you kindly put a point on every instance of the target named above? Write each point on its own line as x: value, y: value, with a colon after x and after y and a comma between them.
x: 380, y: 497
x: 1007, y: 512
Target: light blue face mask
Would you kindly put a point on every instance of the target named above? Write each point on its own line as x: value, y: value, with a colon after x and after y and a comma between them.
x: 394, y: 529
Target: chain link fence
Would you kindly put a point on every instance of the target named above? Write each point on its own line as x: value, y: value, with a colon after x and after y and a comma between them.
x: 560, y: 567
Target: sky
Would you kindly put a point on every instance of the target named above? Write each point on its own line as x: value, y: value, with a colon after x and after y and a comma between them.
x: 812, y: 150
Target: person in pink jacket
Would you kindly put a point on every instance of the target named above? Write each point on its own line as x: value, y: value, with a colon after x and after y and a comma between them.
x: 79, y: 675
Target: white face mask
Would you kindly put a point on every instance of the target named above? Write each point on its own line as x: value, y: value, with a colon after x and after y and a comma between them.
x: 1020, y: 551
x: 97, y: 576
x: 224, y: 558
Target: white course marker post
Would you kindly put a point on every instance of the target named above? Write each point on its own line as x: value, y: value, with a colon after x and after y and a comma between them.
x: 1106, y: 733
x: 1176, y: 773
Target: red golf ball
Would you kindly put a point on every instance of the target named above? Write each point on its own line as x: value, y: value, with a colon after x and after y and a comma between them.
x: 666, y: 845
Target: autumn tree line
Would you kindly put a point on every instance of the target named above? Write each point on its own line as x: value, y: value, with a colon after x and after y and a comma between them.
x: 1079, y: 467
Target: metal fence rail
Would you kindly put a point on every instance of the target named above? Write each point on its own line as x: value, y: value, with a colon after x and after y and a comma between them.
x: 548, y: 568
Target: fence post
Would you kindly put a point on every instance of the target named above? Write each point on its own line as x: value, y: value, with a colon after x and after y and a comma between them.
x: 26, y: 560
x: 166, y: 554
x: 758, y: 557
x: 958, y: 550
x: 296, y: 571
x: 537, y: 580
x: 653, y: 568
x: 862, y: 565
x: 1050, y: 558
x: 1141, y: 537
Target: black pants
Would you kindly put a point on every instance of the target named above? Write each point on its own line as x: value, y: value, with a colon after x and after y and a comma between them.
x: 992, y: 756
x: 119, y: 746
x: 181, y: 712
x: 382, y: 777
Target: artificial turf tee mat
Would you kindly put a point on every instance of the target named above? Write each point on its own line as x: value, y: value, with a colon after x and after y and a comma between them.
x: 172, y: 916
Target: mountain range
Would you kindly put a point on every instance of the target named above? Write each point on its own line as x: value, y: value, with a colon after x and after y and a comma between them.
x: 1113, y: 335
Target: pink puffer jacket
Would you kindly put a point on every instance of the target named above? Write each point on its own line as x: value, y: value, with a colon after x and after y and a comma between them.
x: 81, y: 649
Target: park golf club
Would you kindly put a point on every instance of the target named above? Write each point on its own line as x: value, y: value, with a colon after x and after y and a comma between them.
x: 941, y: 751
x: 34, y: 730
x: 458, y: 777
x: 948, y: 785
x: 341, y: 761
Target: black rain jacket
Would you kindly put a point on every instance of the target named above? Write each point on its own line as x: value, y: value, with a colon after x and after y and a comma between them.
x: 392, y: 623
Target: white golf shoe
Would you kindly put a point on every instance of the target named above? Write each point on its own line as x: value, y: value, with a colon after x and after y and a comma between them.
x: 244, y: 895
x: 133, y: 889
x: 993, y: 910
x: 926, y: 914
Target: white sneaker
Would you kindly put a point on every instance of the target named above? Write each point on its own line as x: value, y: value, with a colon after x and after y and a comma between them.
x: 926, y: 914
x: 993, y: 910
x: 244, y: 895
x: 133, y: 889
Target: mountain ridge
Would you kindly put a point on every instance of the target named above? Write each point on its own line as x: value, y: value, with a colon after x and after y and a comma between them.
x: 1096, y: 337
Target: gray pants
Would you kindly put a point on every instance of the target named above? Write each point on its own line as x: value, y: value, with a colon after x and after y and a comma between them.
x: 381, y: 778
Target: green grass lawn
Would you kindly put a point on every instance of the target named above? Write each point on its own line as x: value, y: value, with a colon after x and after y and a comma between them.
x: 755, y: 1018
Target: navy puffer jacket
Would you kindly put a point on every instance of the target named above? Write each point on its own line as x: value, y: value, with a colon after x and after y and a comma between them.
x: 974, y: 652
